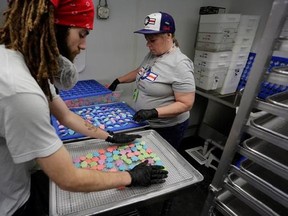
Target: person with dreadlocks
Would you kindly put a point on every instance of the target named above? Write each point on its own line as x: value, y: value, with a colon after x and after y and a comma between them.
x: 38, y: 42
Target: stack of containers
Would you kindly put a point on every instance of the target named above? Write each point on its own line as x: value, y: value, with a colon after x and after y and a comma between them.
x: 215, y: 41
x: 242, y: 45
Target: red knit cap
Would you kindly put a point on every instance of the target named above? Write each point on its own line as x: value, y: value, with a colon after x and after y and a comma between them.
x: 74, y: 13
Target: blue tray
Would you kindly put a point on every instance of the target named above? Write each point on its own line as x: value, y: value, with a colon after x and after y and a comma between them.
x: 116, y: 117
x: 266, y: 88
x: 84, y: 88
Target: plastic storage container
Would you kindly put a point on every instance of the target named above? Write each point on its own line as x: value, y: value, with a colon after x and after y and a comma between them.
x: 213, y: 56
x: 210, y: 81
x: 219, y: 23
x: 220, y: 18
x: 211, y: 64
x: 216, y: 37
x: 240, y: 56
x: 214, y: 47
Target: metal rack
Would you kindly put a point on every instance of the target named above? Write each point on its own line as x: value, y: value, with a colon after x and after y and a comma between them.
x: 258, y: 186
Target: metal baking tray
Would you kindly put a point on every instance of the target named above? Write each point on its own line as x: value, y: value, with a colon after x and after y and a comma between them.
x: 267, y: 150
x: 280, y: 99
x: 271, y: 124
x: 272, y: 182
x: 267, y: 204
x: 228, y: 204
x: 181, y: 174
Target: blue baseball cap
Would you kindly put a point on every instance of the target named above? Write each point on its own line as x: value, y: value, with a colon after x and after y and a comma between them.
x: 156, y: 23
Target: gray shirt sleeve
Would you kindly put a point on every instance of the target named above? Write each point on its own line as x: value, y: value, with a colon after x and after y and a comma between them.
x: 29, y: 133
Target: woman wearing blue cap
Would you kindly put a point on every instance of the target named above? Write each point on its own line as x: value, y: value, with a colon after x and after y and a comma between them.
x: 165, y: 87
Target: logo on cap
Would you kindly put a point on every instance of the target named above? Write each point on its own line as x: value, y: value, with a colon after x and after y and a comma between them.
x: 149, y: 20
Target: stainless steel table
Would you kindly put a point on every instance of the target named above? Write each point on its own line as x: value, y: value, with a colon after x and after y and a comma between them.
x: 181, y: 175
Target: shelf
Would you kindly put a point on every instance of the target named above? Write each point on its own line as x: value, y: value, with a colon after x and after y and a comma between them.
x: 261, y: 182
x: 264, y: 180
x: 272, y: 108
x: 231, y: 100
x: 276, y: 140
x: 280, y: 99
x: 229, y: 205
x: 257, y: 200
x: 278, y: 169
x: 267, y: 150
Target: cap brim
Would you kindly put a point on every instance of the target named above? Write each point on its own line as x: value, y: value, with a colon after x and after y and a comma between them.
x: 147, y: 31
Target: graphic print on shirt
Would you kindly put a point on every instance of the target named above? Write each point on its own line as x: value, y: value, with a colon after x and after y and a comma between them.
x: 147, y: 74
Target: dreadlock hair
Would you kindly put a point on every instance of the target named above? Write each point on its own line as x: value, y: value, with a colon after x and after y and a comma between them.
x: 29, y: 29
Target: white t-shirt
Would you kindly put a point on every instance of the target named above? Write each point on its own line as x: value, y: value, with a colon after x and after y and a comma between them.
x: 25, y: 131
x: 158, y: 79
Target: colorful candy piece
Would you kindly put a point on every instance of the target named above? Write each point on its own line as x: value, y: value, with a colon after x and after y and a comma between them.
x: 76, y: 160
x: 78, y: 165
x: 136, y: 153
x: 100, y: 167
x: 109, y: 165
x: 96, y: 154
x: 95, y: 159
x: 119, y: 162
x: 116, y: 157
x: 108, y: 154
x: 82, y: 158
x: 89, y: 155
x: 109, y: 159
x: 101, y: 162
x: 103, y: 157
x: 130, y: 154
x: 149, y: 150
x: 134, y: 158
x: 83, y: 164
x: 159, y: 163
x: 92, y: 164
x: 116, y: 152
x: 122, y: 168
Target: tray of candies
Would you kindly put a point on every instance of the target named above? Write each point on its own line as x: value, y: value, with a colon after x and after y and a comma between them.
x: 115, y: 117
x: 98, y: 155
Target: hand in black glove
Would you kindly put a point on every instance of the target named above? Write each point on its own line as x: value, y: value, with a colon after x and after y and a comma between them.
x: 145, y: 175
x: 114, y: 84
x: 145, y: 114
x: 121, y: 138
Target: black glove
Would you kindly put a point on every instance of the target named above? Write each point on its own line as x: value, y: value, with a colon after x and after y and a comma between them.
x: 145, y: 175
x: 121, y: 138
x: 114, y: 84
x: 143, y: 114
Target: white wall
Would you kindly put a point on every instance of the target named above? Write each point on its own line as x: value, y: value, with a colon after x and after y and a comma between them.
x: 113, y: 49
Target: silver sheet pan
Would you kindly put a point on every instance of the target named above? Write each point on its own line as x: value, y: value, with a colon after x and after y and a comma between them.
x: 181, y: 175
x: 272, y: 124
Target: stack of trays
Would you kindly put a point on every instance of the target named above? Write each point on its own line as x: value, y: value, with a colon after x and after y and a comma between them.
x: 88, y: 92
x: 215, y: 40
x: 210, y: 68
x: 242, y: 45
x: 115, y: 117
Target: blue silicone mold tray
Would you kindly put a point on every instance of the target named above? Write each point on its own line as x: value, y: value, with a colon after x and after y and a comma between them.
x: 266, y: 88
x: 116, y: 117
x: 84, y: 88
